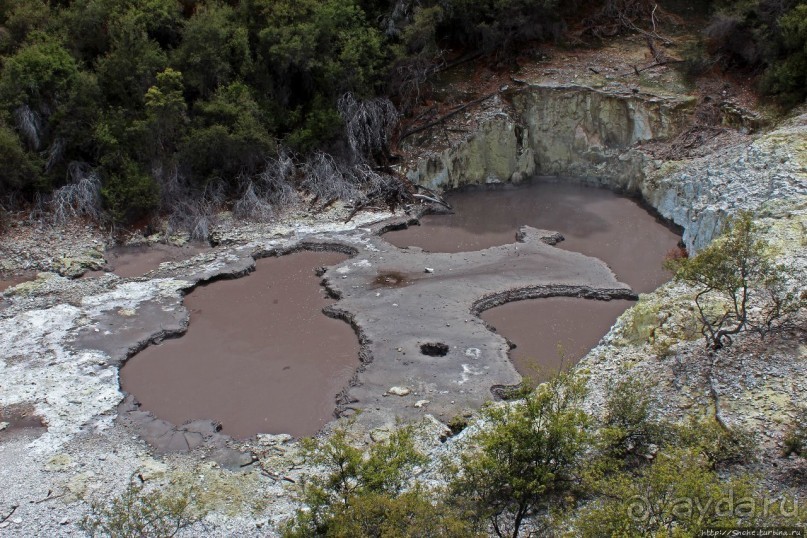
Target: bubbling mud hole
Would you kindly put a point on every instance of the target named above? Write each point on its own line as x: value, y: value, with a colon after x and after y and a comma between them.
x: 593, y: 221
x: 259, y: 355
x: 553, y: 332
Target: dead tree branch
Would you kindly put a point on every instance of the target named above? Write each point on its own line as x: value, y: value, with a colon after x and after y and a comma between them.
x: 445, y: 117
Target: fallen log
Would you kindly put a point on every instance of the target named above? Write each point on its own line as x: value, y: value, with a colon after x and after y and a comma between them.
x: 441, y: 119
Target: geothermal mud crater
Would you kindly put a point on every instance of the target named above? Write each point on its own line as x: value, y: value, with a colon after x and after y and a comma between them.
x: 258, y: 356
x: 259, y: 364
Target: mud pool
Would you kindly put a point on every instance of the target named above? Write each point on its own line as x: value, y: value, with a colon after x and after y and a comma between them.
x: 11, y: 281
x: 593, y: 221
x: 137, y: 260
x: 259, y: 355
x: 554, y: 332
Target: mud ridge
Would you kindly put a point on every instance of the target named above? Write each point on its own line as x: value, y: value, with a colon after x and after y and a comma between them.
x: 541, y: 292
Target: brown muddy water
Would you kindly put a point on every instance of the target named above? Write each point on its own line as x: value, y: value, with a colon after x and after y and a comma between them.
x: 137, y: 260
x: 593, y: 221
x: 11, y: 281
x: 555, y: 332
x: 259, y: 355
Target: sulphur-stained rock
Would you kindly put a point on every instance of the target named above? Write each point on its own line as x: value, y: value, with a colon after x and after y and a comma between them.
x: 151, y: 469
x: 59, y: 462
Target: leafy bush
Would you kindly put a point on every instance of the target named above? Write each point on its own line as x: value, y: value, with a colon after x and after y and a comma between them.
x: 364, y: 493
x: 154, y: 514
x: 767, y: 36
x: 128, y: 192
x: 526, y: 458
x: 628, y: 430
x: 677, y: 495
x: 718, y: 445
x: 21, y: 169
x: 739, y: 287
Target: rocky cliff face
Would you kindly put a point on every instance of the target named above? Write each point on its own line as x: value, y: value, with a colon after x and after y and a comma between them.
x: 560, y: 130
x: 500, y: 151
x: 597, y: 136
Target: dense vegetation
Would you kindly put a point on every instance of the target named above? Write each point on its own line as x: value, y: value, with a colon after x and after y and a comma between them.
x: 543, y: 467
x: 185, y: 105
x: 768, y: 37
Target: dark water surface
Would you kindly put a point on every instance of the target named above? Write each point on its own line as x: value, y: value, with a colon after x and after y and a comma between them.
x: 554, y: 332
x: 259, y: 355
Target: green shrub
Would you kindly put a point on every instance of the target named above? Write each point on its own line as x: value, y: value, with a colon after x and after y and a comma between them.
x: 677, y: 495
x: 128, y: 192
x: 154, y: 514
x: 364, y: 493
x: 526, y: 458
x: 718, y: 445
x: 21, y: 168
x: 628, y: 430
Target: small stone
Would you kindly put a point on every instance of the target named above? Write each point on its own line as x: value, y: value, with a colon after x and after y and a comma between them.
x: 3, y: 426
x: 421, y: 403
x: 398, y: 391
x: 428, y: 270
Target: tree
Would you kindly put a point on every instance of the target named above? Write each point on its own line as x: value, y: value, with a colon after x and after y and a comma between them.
x: 131, y: 65
x: 34, y: 82
x: 738, y: 285
x: 788, y: 76
x: 526, y: 457
x: 166, y: 112
x: 21, y: 169
x: 214, y: 50
x: 22, y: 18
x: 154, y: 514
x: 362, y: 494
x: 676, y: 495
x: 228, y: 137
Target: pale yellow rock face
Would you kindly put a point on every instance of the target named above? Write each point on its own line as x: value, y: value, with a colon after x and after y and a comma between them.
x: 561, y: 130
x: 579, y: 131
x: 495, y: 154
